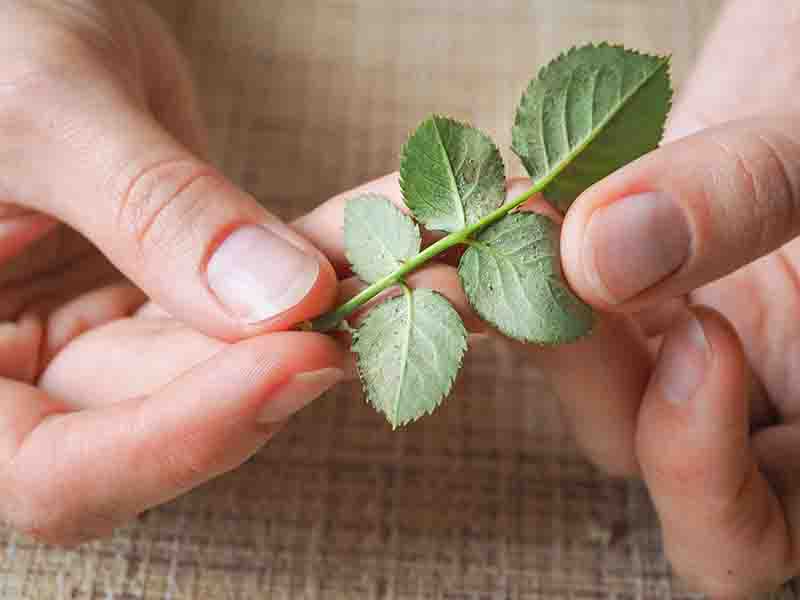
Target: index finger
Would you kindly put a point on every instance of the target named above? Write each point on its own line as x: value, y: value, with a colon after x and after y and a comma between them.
x: 323, y: 226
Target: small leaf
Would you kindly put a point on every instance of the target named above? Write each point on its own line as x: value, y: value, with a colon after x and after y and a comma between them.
x: 378, y: 238
x: 511, y: 274
x: 452, y: 175
x: 588, y: 113
x: 409, y: 350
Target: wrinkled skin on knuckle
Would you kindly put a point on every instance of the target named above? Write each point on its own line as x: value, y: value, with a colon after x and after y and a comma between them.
x: 161, y: 195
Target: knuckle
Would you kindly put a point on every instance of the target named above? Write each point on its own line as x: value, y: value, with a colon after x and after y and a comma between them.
x: 24, y: 82
x: 160, y: 204
x: 33, y: 72
x: 35, y: 88
x: 187, y: 470
x: 54, y: 56
x: 763, y: 173
x: 780, y: 155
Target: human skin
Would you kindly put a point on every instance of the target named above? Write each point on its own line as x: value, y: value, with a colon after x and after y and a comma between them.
x: 690, y: 256
x: 112, y: 405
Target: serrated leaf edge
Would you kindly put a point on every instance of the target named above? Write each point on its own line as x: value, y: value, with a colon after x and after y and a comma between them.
x: 403, y: 216
x: 450, y: 380
x: 465, y: 124
x: 479, y: 247
x: 664, y: 63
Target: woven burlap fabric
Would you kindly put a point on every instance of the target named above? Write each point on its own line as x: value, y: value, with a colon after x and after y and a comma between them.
x: 486, y: 499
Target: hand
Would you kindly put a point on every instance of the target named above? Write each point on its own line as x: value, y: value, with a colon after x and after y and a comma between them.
x: 110, y: 405
x: 696, y: 244
x: 710, y: 420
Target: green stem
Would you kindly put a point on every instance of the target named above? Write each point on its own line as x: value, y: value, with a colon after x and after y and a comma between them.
x: 331, y: 320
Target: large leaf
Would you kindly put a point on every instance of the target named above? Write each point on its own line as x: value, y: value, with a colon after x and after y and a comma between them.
x: 588, y: 113
x: 512, y: 276
x: 452, y: 175
x: 409, y: 350
x: 378, y: 238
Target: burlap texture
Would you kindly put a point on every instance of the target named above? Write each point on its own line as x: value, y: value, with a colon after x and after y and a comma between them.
x: 488, y: 498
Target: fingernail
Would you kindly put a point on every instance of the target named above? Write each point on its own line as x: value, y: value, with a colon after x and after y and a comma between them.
x: 683, y: 361
x: 256, y: 274
x: 296, y: 393
x: 634, y: 243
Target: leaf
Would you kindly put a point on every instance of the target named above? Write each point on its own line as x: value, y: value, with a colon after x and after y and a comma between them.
x: 452, y: 175
x: 588, y: 113
x: 511, y: 274
x: 409, y: 350
x: 378, y: 238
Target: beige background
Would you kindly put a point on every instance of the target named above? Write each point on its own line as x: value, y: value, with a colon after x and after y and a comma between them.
x: 486, y: 500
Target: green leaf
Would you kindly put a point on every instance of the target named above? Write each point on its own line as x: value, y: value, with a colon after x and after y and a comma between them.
x: 588, y: 113
x: 511, y: 274
x: 409, y: 350
x: 452, y: 175
x: 378, y: 238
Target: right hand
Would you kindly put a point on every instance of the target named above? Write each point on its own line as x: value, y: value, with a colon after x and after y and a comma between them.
x: 710, y: 418
x: 691, y: 381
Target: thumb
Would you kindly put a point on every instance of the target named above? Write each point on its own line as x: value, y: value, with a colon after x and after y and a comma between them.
x: 191, y: 240
x: 686, y: 214
x: 724, y: 529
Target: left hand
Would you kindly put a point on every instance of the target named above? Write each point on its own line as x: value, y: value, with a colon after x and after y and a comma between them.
x: 109, y: 405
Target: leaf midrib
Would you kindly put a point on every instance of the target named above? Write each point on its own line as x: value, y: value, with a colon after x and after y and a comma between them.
x: 388, y: 251
x: 403, y: 356
x: 570, y: 156
x: 462, y: 216
x: 330, y: 320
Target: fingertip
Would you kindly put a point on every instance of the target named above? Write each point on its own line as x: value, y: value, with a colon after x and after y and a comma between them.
x: 722, y: 525
x: 692, y: 438
x: 267, y: 278
x: 573, y: 230
x: 323, y: 226
x: 537, y: 203
x: 599, y: 382
x: 701, y: 364
x: 698, y: 387
x: 319, y: 299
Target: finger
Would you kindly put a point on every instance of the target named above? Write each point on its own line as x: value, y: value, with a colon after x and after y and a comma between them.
x: 324, y: 226
x: 20, y: 347
x: 442, y: 278
x: 599, y: 382
x: 86, y: 375
x: 208, y: 252
x: 74, y: 476
x: 171, y: 89
x: 737, y: 74
x: 686, y: 214
x: 724, y: 529
x: 20, y: 228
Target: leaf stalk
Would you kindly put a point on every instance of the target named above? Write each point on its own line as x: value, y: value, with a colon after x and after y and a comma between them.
x: 330, y: 321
